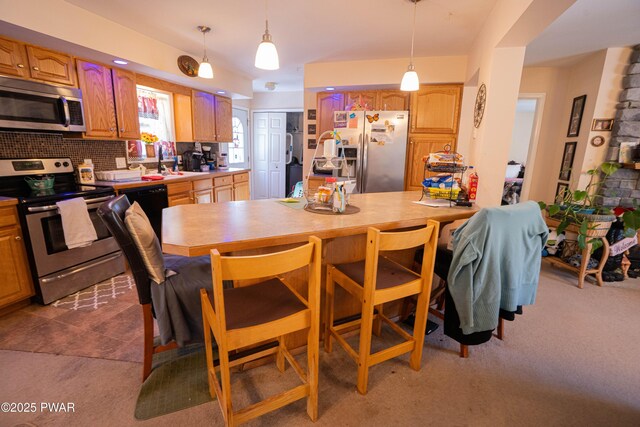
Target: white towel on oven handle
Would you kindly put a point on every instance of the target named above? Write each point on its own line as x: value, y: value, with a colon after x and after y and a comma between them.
x: 76, y: 224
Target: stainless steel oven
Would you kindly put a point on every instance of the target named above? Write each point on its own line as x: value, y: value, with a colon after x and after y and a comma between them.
x: 31, y: 105
x: 60, y: 270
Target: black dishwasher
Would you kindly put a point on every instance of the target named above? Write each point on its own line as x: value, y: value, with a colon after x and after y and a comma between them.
x: 152, y: 199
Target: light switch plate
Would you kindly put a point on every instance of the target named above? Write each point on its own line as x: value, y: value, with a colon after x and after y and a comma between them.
x: 121, y: 162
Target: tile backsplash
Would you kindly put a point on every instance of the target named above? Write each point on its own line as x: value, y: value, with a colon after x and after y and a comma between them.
x: 103, y: 153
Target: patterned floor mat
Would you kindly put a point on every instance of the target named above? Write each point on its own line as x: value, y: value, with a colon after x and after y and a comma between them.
x: 97, y: 295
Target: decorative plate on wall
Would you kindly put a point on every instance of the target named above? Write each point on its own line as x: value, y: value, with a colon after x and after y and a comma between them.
x: 188, y: 65
x: 597, y: 141
x: 481, y: 100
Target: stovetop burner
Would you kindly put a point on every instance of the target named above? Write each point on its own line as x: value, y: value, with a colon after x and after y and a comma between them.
x: 13, y: 174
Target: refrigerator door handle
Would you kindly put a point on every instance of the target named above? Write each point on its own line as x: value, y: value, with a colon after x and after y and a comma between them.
x: 365, y: 151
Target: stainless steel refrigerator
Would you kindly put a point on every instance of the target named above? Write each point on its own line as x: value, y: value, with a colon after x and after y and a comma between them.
x: 375, y: 144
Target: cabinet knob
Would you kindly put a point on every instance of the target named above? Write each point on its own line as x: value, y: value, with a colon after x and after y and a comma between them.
x: 18, y: 238
x: 112, y: 129
x: 36, y: 68
x: 20, y: 65
x: 121, y: 129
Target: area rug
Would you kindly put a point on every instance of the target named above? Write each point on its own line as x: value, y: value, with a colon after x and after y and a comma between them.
x: 95, y: 296
x: 178, y: 381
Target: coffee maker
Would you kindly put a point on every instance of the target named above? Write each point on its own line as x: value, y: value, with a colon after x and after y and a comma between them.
x: 191, y: 160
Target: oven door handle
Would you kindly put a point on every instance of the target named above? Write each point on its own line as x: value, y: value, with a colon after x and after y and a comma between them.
x: 53, y: 207
x: 80, y: 269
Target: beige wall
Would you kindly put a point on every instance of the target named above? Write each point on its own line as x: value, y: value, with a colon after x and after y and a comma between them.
x: 278, y: 101
x: 521, y: 136
x: 599, y: 76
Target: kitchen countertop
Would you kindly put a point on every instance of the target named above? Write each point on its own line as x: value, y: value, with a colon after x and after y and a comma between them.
x: 189, y: 176
x: 8, y: 201
x: 237, y: 226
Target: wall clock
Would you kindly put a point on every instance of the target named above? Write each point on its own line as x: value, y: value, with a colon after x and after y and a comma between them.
x: 481, y: 100
x: 188, y: 65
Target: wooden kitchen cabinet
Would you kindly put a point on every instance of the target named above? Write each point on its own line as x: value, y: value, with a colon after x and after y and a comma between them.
x: 223, y: 193
x: 50, y: 66
x: 327, y: 103
x: 367, y: 100
x: 126, y: 103
x: 99, y: 108
x: 393, y: 100
x: 16, y: 284
x: 179, y: 193
x: 203, y: 106
x: 420, y: 146
x: 182, y: 113
x: 224, y: 117
x: 202, y: 191
x: 13, y: 58
x: 436, y: 109
x: 241, y: 187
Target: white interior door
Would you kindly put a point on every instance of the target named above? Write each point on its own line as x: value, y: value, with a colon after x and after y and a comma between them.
x: 269, y: 131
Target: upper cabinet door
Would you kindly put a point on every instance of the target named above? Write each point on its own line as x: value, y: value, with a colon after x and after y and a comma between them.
x: 183, y: 117
x: 393, y: 100
x: 126, y: 99
x: 13, y: 59
x: 97, y: 92
x: 364, y: 100
x: 436, y: 109
x: 328, y: 102
x: 204, y: 116
x: 224, y: 117
x: 51, y: 66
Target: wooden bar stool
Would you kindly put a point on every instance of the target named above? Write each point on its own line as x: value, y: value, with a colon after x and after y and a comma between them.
x: 249, y: 315
x: 376, y: 281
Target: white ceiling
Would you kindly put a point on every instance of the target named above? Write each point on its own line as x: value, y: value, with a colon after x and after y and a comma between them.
x: 587, y: 26
x: 304, y: 31
x: 308, y: 31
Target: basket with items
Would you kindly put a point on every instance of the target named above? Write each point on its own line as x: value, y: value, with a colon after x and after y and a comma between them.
x: 444, y: 178
x: 330, y: 198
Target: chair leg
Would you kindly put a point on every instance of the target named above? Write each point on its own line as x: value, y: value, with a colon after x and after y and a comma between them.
x: 148, y: 340
x: 280, y: 362
x: 419, y: 328
x: 313, y: 347
x: 209, y: 352
x: 464, y: 351
x: 377, y: 321
x: 328, y: 317
x: 366, y: 328
x: 225, y: 386
x: 500, y: 334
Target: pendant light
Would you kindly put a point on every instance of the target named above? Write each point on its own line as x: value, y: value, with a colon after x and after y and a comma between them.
x: 410, y: 81
x: 267, y: 55
x: 204, y: 69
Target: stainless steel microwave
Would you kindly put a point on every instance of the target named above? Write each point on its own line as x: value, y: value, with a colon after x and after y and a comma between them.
x: 30, y: 105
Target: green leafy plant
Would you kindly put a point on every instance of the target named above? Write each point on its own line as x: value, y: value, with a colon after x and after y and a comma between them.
x: 578, y: 207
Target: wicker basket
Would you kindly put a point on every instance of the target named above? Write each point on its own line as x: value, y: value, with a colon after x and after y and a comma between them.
x: 443, y: 193
x: 598, y: 225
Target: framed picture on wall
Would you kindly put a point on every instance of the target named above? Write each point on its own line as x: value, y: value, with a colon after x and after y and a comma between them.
x: 576, y: 115
x: 560, y: 190
x: 311, y: 129
x: 567, y: 161
x: 602, y: 124
x: 311, y: 143
x: 311, y: 114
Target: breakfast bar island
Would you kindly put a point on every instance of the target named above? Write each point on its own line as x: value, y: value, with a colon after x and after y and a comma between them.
x: 262, y: 226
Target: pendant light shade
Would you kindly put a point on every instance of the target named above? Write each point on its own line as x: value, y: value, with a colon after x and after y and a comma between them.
x: 204, y: 69
x: 267, y: 54
x: 410, y: 81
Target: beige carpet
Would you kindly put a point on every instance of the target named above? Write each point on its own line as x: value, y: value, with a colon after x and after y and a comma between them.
x: 571, y: 360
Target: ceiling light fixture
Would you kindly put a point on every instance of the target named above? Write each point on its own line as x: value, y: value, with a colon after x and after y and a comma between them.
x: 221, y: 92
x: 329, y: 88
x: 410, y: 81
x: 204, y: 69
x: 120, y: 62
x: 267, y: 54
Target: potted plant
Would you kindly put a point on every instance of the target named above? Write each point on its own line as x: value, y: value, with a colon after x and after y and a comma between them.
x: 576, y: 211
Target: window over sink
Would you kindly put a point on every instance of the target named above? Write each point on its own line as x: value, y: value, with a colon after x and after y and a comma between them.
x: 155, y: 113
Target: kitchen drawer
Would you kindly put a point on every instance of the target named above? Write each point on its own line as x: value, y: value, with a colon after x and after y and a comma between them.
x: 202, y: 184
x: 178, y: 187
x: 241, y: 177
x: 180, y: 199
x: 225, y: 180
x: 8, y: 216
